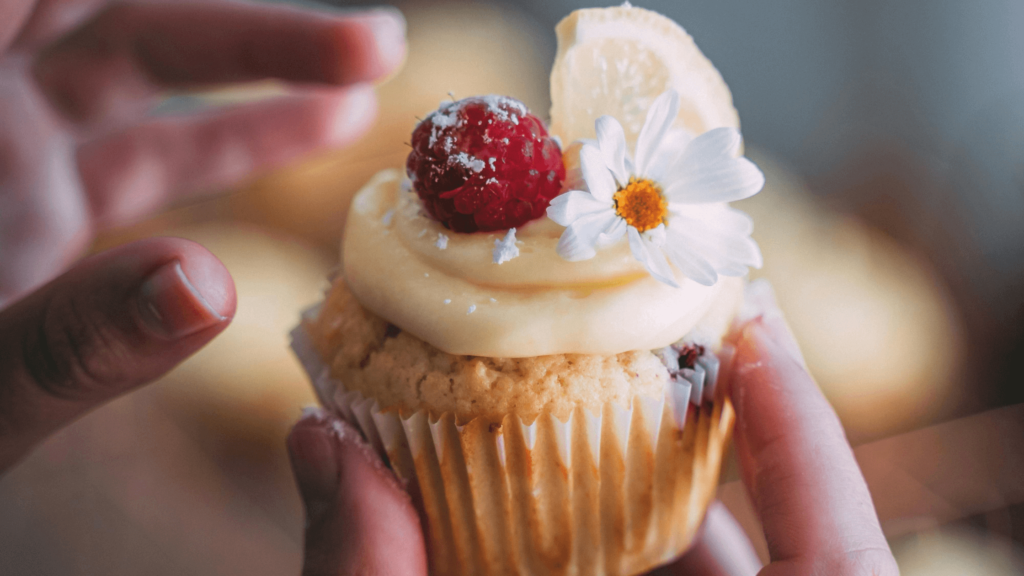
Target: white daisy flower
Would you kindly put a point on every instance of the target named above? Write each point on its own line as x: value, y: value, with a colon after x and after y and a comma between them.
x: 669, y: 198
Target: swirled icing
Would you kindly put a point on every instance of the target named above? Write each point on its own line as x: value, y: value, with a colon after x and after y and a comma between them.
x: 460, y: 301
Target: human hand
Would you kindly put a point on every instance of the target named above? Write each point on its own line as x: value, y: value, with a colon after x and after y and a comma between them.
x: 797, y: 466
x: 79, y: 153
x: 799, y: 470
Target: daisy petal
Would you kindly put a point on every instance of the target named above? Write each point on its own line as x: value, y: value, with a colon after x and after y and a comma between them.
x: 732, y: 254
x: 673, y: 144
x: 613, y: 233
x: 732, y: 270
x: 744, y: 251
x: 660, y: 116
x: 735, y: 221
x: 612, y: 142
x: 729, y: 254
x: 724, y: 180
x: 655, y: 235
x: 595, y: 172
x: 692, y: 265
x: 574, y: 180
x: 579, y: 239
x: 651, y: 257
x: 574, y: 204
x: 718, y: 219
x: 716, y: 143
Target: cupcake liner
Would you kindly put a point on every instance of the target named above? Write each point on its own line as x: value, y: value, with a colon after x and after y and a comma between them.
x: 616, y: 492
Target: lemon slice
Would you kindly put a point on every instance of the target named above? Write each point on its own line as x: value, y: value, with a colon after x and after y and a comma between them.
x: 617, y: 60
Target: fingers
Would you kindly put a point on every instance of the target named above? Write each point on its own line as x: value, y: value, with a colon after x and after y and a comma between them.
x: 114, y: 322
x: 129, y: 174
x: 13, y: 14
x: 720, y: 549
x: 796, y: 462
x: 115, y: 61
x: 359, y: 519
x: 52, y: 19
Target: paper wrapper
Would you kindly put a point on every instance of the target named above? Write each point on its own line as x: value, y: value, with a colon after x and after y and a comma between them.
x: 600, y: 494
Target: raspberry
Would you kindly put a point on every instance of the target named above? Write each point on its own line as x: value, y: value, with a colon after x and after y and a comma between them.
x: 689, y: 354
x: 484, y: 163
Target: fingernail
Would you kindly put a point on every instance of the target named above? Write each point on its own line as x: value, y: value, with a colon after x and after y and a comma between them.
x: 777, y: 327
x: 314, y: 461
x: 354, y: 115
x: 388, y: 26
x: 172, y: 307
x: 347, y: 446
x: 758, y: 298
x: 761, y: 306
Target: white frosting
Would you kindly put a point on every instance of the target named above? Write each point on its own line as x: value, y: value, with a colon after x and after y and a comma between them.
x: 533, y: 305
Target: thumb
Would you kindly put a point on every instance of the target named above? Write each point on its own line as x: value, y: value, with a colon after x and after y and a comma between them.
x: 359, y: 519
x: 114, y: 322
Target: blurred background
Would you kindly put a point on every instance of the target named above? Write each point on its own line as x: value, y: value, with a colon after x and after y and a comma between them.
x: 892, y: 225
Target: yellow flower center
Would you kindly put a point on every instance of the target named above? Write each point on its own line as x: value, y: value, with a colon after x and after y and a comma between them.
x: 641, y: 204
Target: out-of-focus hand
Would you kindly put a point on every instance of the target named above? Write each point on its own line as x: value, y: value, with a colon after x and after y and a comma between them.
x: 79, y: 152
x: 799, y: 469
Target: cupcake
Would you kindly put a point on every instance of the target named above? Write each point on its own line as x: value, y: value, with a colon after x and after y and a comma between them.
x: 532, y: 334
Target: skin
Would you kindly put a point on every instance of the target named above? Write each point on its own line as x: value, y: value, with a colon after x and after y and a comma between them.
x: 78, y: 153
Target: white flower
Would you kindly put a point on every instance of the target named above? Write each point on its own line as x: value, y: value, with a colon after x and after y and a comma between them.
x: 669, y: 198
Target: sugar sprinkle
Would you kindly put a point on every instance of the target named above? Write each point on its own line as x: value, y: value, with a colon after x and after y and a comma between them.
x: 505, y: 249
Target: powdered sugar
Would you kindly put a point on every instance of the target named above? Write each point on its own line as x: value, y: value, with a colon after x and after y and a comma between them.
x: 445, y: 117
x: 469, y: 162
x: 505, y: 249
x: 442, y: 242
x: 498, y: 104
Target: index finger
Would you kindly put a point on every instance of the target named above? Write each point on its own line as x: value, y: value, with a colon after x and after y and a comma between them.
x: 130, y: 50
x: 797, y: 464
